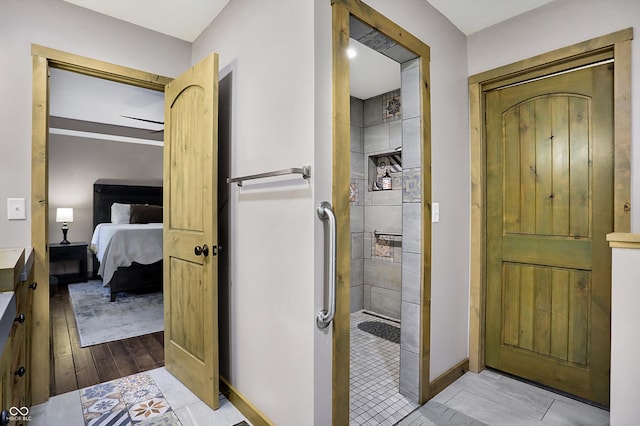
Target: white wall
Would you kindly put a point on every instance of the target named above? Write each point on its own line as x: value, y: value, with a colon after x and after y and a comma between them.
x: 450, y: 176
x: 322, y: 166
x: 269, y: 48
x: 76, y: 163
x: 276, y: 119
x: 625, y: 350
x: 559, y: 24
x: 59, y: 25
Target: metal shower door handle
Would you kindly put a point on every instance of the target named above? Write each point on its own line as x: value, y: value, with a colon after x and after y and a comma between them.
x: 325, y: 212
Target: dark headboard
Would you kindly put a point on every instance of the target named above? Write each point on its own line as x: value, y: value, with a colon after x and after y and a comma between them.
x: 109, y: 191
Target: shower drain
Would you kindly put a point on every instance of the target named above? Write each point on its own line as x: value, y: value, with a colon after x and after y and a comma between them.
x: 380, y: 329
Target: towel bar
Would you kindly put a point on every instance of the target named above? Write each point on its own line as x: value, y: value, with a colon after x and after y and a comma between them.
x: 305, y: 171
x: 377, y: 233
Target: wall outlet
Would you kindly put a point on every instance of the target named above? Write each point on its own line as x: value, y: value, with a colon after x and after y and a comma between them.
x: 435, y: 212
x: 16, y: 209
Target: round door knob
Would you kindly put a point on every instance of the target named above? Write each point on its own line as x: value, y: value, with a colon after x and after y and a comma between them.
x: 20, y: 318
x: 33, y: 285
x: 20, y: 372
x: 204, y: 250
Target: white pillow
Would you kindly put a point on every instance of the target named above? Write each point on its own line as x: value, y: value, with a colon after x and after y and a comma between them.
x: 120, y: 213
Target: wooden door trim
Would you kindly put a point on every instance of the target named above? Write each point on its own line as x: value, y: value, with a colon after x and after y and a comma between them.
x: 616, y: 46
x: 341, y: 10
x: 43, y: 59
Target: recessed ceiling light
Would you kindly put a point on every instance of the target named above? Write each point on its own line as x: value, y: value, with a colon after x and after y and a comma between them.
x: 351, y: 52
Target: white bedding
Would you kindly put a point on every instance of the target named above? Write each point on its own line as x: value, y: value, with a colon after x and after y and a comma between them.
x: 117, y: 245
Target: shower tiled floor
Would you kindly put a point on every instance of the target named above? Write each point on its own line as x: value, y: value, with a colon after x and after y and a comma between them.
x: 375, y: 373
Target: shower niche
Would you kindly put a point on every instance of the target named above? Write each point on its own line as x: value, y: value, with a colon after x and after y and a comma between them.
x: 385, y: 171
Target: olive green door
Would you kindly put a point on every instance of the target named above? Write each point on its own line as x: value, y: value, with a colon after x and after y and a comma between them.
x: 549, y: 208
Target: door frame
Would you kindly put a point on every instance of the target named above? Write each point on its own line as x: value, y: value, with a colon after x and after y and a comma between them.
x: 341, y: 10
x: 43, y: 59
x: 616, y: 46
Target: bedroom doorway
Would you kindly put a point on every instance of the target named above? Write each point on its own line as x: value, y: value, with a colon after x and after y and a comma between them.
x: 45, y: 59
x: 105, y: 147
x: 92, y: 138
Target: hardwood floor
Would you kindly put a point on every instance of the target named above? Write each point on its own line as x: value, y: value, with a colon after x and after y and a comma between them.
x: 73, y: 367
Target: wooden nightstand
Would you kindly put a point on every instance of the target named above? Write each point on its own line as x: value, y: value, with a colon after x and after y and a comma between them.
x: 70, y: 252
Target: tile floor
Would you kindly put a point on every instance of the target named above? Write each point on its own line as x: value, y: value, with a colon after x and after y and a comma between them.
x: 488, y: 398
x: 151, y: 398
x: 375, y: 372
x: 481, y: 399
x: 492, y: 399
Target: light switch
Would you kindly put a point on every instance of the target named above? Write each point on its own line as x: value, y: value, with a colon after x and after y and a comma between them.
x: 435, y: 212
x: 16, y: 209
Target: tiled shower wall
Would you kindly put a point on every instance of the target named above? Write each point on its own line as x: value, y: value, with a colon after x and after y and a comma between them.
x: 389, y: 286
x: 411, y: 230
x: 357, y: 205
x: 376, y: 128
x: 382, y: 209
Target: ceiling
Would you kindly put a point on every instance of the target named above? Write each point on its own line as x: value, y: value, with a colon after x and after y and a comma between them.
x: 186, y: 19
x: 365, y: 84
x: 94, y: 108
x: 471, y: 16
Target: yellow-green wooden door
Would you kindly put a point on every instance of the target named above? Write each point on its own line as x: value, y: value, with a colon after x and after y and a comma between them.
x: 549, y: 208
x: 190, y: 229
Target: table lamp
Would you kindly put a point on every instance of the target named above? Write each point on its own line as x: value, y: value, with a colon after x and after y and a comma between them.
x: 64, y: 215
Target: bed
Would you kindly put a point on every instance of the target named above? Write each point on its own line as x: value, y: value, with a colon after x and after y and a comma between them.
x: 127, y: 256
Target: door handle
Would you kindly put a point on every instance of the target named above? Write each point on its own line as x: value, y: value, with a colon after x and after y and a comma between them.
x: 325, y: 316
x: 204, y: 250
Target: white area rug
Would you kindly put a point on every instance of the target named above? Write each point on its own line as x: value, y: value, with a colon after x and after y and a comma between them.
x: 101, y: 321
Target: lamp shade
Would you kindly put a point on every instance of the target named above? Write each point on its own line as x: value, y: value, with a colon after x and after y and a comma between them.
x: 64, y: 214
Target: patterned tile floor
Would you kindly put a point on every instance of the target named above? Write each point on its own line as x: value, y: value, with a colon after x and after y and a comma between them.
x: 134, y: 399
x: 375, y: 377
x: 155, y: 397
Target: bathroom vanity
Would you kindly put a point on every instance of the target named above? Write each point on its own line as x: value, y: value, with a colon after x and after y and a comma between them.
x: 16, y: 296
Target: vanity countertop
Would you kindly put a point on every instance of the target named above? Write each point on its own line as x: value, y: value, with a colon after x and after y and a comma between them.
x: 11, y: 267
x: 624, y: 240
